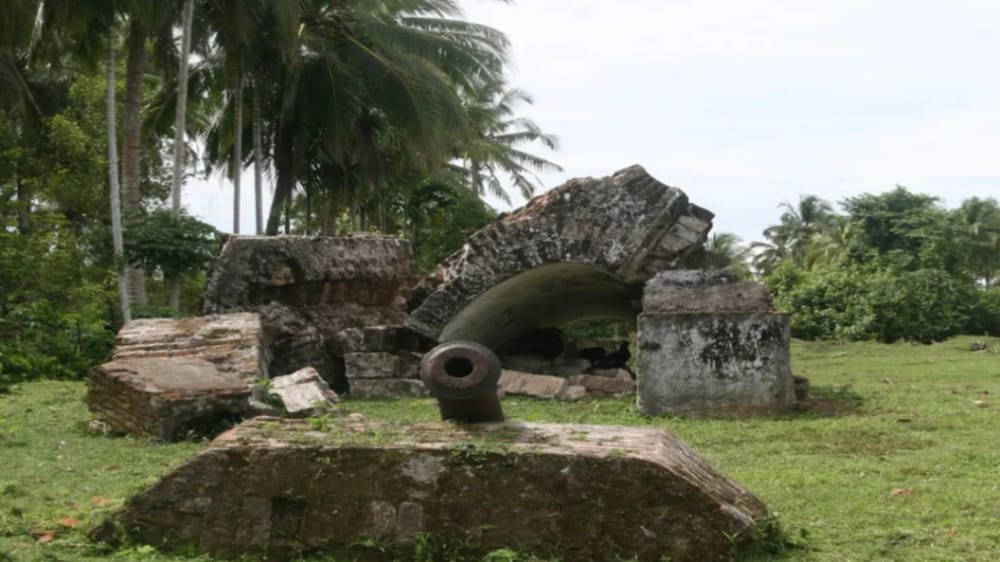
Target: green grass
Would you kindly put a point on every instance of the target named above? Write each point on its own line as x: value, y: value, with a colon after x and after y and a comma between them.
x: 908, y: 468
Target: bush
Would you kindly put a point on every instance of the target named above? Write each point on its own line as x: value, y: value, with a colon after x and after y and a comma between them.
x: 925, y: 305
x: 40, y: 342
x: 857, y: 303
x: 825, y: 303
x: 984, y: 316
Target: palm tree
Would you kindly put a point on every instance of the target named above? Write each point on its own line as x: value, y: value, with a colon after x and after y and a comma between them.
x: 731, y: 247
x: 116, y: 210
x: 829, y: 246
x: 31, y: 81
x: 982, y: 219
x: 800, y: 222
x: 791, y: 238
x: 767, y: 255
x: 244, y: 36
x: 406, y: 60
x: 493, y: 151
x: 147, y: 20
x: 179, y: 126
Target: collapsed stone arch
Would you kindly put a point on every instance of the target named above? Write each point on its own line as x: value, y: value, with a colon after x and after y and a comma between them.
x: 623, y: 247
x: 582, y: 249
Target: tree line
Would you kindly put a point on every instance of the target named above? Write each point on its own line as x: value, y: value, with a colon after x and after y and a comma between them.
x: 392, y: 116
x: 891, y: 266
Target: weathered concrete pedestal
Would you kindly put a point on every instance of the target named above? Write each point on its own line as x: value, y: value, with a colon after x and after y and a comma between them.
x: 728, y: 364
x: 579, y: 492
x: 711, y: 344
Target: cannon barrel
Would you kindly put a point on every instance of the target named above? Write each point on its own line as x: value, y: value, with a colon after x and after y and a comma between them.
x: 463, y: 377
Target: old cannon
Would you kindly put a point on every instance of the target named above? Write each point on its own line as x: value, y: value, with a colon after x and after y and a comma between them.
x: 463, y: 377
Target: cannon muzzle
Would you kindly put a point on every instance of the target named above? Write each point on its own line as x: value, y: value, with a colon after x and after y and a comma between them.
x: 463, y: 377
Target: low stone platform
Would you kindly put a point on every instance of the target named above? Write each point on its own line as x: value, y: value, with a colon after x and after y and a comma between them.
x: 172, y: 376
x: 579, y: 492
x: 165, y: 397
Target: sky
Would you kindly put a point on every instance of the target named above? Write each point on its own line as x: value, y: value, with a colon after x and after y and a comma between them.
x: 744, y: 105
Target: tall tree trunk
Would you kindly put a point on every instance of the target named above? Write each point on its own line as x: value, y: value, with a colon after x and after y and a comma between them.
x: 258, y: 159
x: 308, y: 209
x: 132, y: 144
x: 330, y: 217
x: 288, y: 216
x: 23, y: 206
x: 237, y: 153
x: 285, y: 153
x: 179, y: 125
x: 282, y: 192
x: 116, y: 203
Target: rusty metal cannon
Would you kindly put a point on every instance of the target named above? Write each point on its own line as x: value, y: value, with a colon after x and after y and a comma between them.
x: 463, y: 377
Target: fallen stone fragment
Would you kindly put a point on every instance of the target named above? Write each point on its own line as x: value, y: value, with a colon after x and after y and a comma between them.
x: 612, y: 373
x: 166, y: 397
x: 232, y: 342
x: 597, y: 385
x: 303, y: 393
x: 572, y: 393
x: 273, y: 487
x: 528, y: 384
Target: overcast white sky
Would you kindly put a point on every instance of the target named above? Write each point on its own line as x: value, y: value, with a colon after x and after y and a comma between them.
x: 745, y: 104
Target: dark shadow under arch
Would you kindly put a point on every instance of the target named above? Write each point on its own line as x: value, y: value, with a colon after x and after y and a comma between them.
x: 549, y: 295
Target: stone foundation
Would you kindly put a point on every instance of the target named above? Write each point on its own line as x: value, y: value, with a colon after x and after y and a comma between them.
x: 731, y: 364
x: 574, y: 491
x: 167, y: 398
x: 712, y: 344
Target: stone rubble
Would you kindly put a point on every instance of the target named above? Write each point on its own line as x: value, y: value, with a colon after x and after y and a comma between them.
x: 303, y: 393
x: 166, y: 398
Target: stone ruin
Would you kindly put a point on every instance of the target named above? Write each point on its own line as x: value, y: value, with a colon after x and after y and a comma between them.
x: 322, y: 317
x: 577, y: 492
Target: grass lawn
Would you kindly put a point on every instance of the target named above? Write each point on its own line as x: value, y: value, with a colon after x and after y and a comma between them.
x: 904, y: 464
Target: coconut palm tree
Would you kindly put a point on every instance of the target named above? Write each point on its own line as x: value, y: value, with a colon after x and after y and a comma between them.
x: 179, y: 128
x: 982, y: 219
x: 829, y: 246
x: 791, y: 238
x: 148, y: 21
x: 494, y: 151
x: 406, y: 60
x: 800, y: 222
x: 731, y: 247
x: 767, y: 255
x: 115, y: 190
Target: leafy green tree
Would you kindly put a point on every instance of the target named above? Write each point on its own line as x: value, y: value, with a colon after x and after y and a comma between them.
x: 442, y: 218
x: 175, y: 244
x: 906, y: 231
